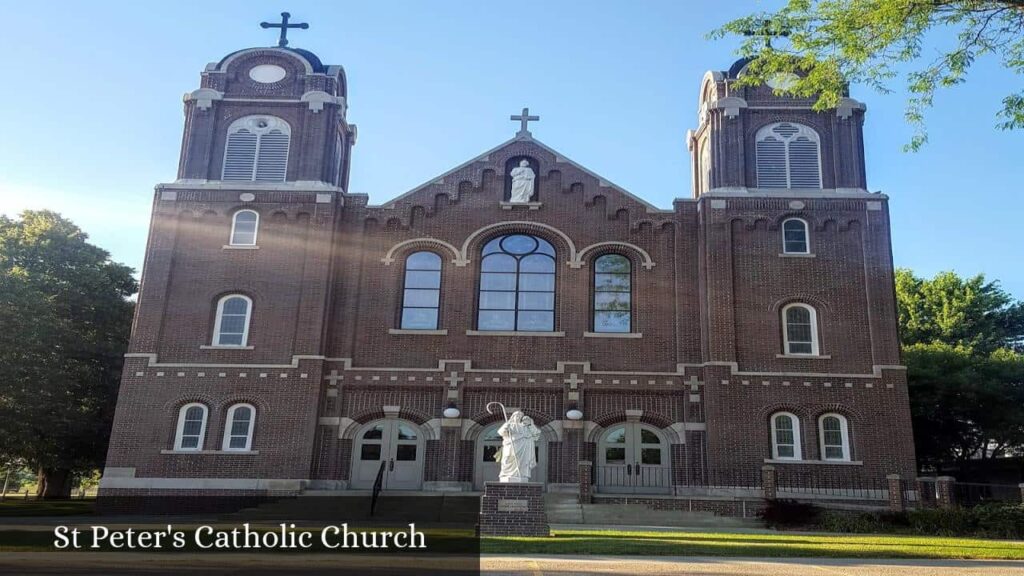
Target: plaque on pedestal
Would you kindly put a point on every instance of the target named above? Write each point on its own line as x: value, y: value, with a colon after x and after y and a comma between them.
x: 513, y: 509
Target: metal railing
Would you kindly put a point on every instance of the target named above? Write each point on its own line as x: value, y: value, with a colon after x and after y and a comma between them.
x: 633, y: 477
x: 975, y: 493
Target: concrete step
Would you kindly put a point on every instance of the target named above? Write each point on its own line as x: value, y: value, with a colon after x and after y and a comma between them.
x: 563, y: 508
x: 402, y: 508
x: 641, y: 515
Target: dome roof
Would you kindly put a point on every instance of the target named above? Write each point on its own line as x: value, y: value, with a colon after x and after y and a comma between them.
x: 313, y: 59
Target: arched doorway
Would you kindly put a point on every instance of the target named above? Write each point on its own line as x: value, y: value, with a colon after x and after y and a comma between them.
x: 633, y: 458
x: 486, y: 467
x: 395, y: 444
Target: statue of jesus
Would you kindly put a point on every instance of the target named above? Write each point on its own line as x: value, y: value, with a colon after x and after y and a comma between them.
x: 522, y: 183
x: 518, y: 458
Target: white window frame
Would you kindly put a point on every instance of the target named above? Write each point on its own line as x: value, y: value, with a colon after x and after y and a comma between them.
x: 807, y: 236
x: 844, y: 429
x: 797, y: 452
x: 229, y: 424
x: 815, y: 349
x: 181, y: 427
x: 802, y: 130
x: 255, y: 232
x: 220, y: 314
x: 251, y: 123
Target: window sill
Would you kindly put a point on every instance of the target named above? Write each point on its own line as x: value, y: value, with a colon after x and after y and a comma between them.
x: 805, y: 356
x: 218, y: 347
x: 418, y: 332
x: 795, y: 255
x: 816, y: 462
x: 210, y: 452
x: 613, y: 334
x: 240, y: 247
x: 530, y: 205
x: 514, y: 333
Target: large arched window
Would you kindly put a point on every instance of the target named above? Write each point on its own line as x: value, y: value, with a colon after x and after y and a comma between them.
x: 191, y: 427
x: 257, y: 149
x: 244, y: 225
x: 800, y: 330
x: 612, y: 294
x: 517, y: 285
x: 795, y: 239
x: 421, y: 295
x: 785, y: 436
x: 231, y: 327
x: 835, y: 437
x: 788, y: 156
x: 238, y: 428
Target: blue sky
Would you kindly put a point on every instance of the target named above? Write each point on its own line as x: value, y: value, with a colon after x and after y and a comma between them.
x: 92, y: 98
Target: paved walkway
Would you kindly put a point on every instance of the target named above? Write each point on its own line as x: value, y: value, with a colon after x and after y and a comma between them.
x: 659, y: 566
x: 81, y: 563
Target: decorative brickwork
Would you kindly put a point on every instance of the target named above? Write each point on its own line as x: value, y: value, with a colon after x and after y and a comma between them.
x: 327, y: 362
x: 510, y: 509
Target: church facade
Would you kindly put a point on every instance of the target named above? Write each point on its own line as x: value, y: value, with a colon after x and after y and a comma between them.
x: 290, y: 336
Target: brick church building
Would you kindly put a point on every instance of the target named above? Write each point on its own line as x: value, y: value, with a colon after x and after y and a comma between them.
x: 292, y: 337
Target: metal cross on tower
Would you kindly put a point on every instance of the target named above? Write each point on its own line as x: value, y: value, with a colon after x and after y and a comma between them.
x: 768, y: 30
x: 284, y: 26
x: 524, y: 120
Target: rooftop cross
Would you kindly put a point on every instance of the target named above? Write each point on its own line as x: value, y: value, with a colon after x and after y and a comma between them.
x: 524, y: 120
x: 768, y: 30
x: 284, y: 26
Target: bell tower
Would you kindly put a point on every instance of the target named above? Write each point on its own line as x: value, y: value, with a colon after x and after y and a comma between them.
x: 750, y: 139
x: 269, y: 115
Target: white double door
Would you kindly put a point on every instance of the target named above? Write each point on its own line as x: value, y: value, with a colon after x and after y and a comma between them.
x: 391, y: 449
x: 633, y: 458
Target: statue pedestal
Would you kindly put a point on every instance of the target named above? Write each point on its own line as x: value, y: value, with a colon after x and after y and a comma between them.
x: 513, y: 509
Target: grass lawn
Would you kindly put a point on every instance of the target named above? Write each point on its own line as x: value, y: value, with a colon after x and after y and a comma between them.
x: 22, y: 507
x: 755, y: 545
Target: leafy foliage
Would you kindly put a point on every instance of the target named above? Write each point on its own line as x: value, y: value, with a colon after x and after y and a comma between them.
x: 966, y: 379
x: 64, y: 325
x: 833, y: 42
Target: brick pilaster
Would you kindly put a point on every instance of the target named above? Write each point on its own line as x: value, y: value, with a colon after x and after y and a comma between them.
x: 586, y: 469
x: 944, y: 491
x: 768, y: 482
x: 896, y: 501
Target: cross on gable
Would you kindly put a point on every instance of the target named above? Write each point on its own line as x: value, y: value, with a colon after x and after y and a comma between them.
x: 573, y: 381
x: 333, y: 378
x: 284, y: 26
x: 524, y: 120
x: 453, y: 379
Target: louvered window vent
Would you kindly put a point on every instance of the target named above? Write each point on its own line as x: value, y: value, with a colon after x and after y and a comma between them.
x: 257, y: 149
x: 788, y: 156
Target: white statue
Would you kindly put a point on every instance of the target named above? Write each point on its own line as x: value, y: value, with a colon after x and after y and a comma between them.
x: 522, y: 183
x: 518, y: 457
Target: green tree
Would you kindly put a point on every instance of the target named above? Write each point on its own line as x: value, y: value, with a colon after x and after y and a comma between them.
x: 833, y: 42
x: 964, y: 405
x: 65, y: 318
x: 957, y: 311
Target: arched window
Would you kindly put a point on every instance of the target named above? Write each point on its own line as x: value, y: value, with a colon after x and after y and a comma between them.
x: 238, y: 429
x: 788, y: 156
x: 257, y: 149
x: 421, y: 297
x: 795, y: 238
x: 612, y: 294
x: 800, y: 329
x: 835, y: 437
x: 244, y: 225
x: 231, y: 327
x: 517, y: 285
x: 785, y: 436
x: 191, y: 427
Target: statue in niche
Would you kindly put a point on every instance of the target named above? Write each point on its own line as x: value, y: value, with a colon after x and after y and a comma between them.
x: 522, y: 183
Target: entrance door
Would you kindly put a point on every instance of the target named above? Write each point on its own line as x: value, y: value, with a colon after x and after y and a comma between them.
x: 396, y: 445
x: 487, y: 467
x: 633, y: 459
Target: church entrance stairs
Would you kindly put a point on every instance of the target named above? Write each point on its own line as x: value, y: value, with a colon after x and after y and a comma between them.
x: 565, y: 509
x: 425, y: 507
